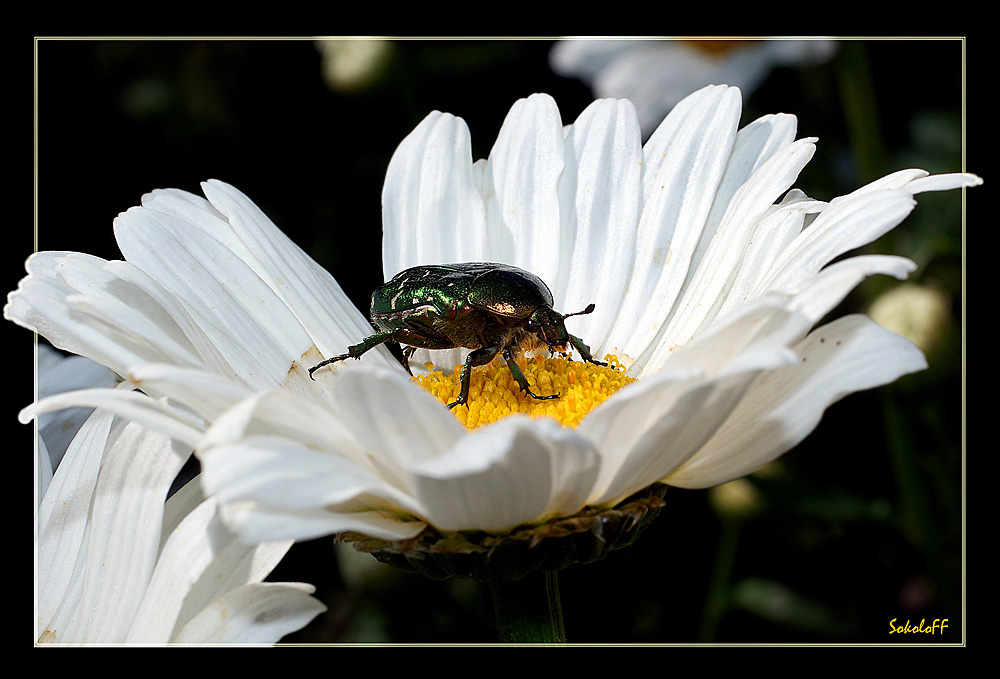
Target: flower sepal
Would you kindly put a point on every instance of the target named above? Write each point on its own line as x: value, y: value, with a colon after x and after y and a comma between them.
x: 587, y: 536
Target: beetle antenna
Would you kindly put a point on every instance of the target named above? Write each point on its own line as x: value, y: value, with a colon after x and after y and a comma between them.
x: 589, y: 309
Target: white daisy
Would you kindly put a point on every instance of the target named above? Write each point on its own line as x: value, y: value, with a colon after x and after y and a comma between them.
x: 656, y: 74
x: 117, y: 565
x: 708, y: 271
x: 355, y: 63
x: 920, y: 313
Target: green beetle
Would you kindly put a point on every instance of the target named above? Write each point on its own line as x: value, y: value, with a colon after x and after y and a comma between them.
x: 487, y: 307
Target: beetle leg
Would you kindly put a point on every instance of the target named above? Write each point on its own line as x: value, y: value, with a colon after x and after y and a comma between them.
x: 356, y: 350
x: 407, y: 352
x: 475, y: 358
x: 519, y: 377
x: 584, y: 350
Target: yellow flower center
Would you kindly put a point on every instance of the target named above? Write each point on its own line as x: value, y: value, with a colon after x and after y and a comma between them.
x: 493, y: 393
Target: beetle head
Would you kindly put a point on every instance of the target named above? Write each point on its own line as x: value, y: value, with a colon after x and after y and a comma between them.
x: 550, y: 324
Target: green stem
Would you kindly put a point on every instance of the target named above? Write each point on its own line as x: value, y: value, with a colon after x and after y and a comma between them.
x: 718, y: 590
x: 857, y: 91
x: 528, y: 610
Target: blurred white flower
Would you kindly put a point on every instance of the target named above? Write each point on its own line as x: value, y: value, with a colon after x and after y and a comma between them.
x: 738, y: 499
x: 656, y: 74
x: 353, y: 64
x: 920, y: 313
x: 707, y: 269
x: 116, y: 564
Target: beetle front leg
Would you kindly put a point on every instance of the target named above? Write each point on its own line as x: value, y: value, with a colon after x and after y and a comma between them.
x: 519, y: 377
x: 584, y: 350
x: 474, y: 359
x: 407, y: 352
x: 356, y: 350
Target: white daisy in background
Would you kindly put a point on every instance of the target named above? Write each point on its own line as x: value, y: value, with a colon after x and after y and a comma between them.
x: 353, y: 64
x: 708, y: 271
x: 118, y: 565
x: 656, y: 74
x: 920, y: 313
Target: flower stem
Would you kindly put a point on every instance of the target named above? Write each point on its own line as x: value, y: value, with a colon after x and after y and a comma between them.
x: 718, y: 591
x: 528, y: 610
x: 857, y: 91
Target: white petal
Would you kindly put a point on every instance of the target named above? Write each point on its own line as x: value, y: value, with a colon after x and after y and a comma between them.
x: 847, y: 223
x: 652, y: 427
x: 181, y: 503
x: 703, y: 295
x: 132, y: 405
x: 173, y: 311
x: 121, y: 301
x: 773, y: 234
x: 122, y: 535
x: 681, y: 175
x: 432, y: 210
x: 257, y: 613
x: 397, y: 422
x: 783, y: 406
x: 513, y: 472
x: 186, y: 553
x: 296, y: 477
x: 755, y: 145
x: 646, y: 414
x: 56, y: 374
x: 522, y: 176
x: 602, y: 202
x: 307, y: 289
x: 294, y: 416
x: 68, y: 298
x: 285, y: 474
x: 62, y: 517
x: 768, y: 321
x: 258, y: 523
x: 943, y: 182
x: 44, y: 468
x: 201, y: 391
x: 200, y: 561
x: 247, y: 321
x: 819, y: 295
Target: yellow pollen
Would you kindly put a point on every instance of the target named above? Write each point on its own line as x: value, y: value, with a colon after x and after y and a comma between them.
x: 493, y: 392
